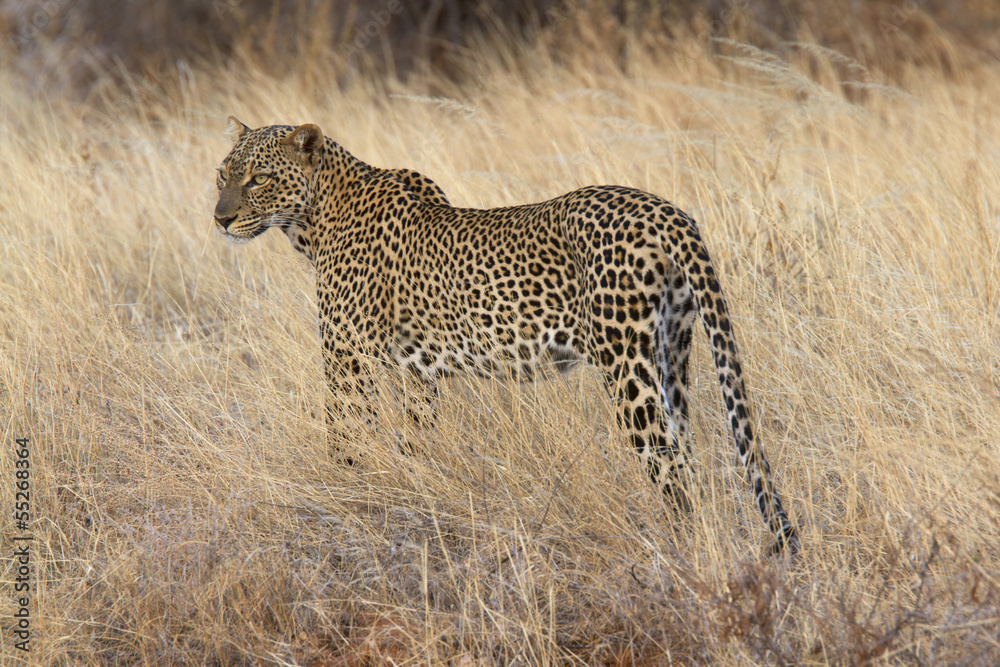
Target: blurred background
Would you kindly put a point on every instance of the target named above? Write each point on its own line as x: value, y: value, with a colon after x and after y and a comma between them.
x: 71, y: 45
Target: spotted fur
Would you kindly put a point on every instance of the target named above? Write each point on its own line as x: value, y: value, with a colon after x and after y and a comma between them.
x: 611, y: 275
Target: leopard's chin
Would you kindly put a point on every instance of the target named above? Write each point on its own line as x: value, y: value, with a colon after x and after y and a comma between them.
x: 242, y: 235
x: 236, y: 240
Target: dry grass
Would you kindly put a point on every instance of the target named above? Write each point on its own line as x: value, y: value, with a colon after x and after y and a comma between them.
x: 186, y: 511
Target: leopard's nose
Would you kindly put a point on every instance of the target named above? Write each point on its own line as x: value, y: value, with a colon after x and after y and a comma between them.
x: 224, y: 221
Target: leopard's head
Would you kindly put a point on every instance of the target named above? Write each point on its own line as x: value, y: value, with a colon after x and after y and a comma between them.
x: 266, y: 180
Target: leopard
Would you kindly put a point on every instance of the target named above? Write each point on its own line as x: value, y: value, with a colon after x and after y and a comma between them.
x: 607, y: 275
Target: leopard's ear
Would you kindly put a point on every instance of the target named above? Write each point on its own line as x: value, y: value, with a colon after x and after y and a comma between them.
x: 235, y: 129
x: 307, y: 141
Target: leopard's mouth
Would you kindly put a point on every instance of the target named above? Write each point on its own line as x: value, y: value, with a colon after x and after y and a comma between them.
x: 242, y: 231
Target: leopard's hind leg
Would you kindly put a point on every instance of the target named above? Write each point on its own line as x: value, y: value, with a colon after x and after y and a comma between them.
x: 642, y: 342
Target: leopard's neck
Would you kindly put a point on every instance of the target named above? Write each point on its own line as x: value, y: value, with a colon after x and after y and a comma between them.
x: 338, y: 175
x: 338, y: 172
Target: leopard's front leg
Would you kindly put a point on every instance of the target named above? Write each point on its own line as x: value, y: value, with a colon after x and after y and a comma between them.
x: 349, y: 409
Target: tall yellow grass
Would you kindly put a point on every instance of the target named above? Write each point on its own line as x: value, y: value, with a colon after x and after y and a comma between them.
x: 186, y: 511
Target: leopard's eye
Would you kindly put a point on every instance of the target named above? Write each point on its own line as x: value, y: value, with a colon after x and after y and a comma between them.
x: 261, y: 179
x: 222, y: 177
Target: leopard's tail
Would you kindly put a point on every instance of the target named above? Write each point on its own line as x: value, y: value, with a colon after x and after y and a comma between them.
x: 685, y: 247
